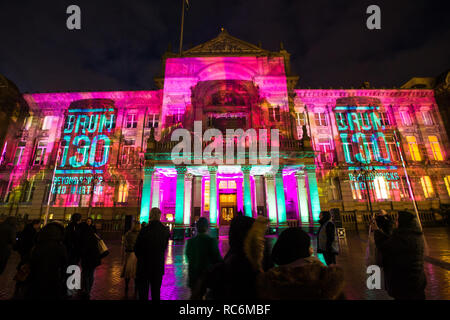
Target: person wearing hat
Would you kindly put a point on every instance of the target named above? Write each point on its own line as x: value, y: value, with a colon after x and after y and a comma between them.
x: 299, y: 275
x: 202, y: 252
x: 403, y: 258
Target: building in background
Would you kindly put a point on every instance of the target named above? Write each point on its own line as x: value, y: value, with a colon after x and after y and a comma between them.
x: 113, y: 150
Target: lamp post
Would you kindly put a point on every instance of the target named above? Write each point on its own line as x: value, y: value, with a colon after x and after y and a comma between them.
x: 397, y: 139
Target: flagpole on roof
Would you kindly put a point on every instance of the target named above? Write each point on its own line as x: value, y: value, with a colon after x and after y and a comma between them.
x: 182, y: 25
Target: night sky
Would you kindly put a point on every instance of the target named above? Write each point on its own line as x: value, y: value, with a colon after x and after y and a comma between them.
x: 121, y: 42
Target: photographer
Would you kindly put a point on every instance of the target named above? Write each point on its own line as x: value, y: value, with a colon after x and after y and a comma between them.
x: 403, y: 258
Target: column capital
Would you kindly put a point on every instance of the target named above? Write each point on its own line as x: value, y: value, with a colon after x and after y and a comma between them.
x: 156, y: 176
x: 149, y: 170
x: 212, y: 169
x: 246, y: 169
x: 300, y: 174
x: 181, y: 169
x: 188, y: 176
x: 269, y: 176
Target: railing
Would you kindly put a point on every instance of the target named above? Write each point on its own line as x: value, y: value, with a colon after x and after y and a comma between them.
x: 284, y: 145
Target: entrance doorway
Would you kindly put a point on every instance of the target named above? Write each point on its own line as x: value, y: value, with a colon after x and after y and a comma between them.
x: 228, y: 206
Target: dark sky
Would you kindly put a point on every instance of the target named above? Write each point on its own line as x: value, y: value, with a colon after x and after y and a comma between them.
x: 121, y: 41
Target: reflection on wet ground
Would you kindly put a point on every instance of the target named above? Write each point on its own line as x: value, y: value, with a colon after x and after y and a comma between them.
x: 110, y: 286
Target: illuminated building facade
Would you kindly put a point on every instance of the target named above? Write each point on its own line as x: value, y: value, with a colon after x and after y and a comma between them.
x: 114, y: 149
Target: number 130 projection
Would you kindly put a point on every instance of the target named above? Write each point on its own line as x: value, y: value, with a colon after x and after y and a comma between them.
x: 85, y: 147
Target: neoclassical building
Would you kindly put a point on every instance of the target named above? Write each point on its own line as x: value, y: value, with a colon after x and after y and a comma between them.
x: 303, y: 150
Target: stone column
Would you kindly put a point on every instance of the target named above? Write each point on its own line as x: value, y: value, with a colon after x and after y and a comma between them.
x: 178, y: 232
x: 155, y: 190
x: 303, y: 207
x: 213, y: 200
x: 281, y: 199
x: 270, y: 198
x: 313, y: 195
x: 187, y: 198
x: 240, y: 194
x: 247, y: 191
x: 146, y: 194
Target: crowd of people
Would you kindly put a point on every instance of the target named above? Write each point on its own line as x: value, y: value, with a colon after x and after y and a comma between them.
x: 45, y: 255
x: 251, y: 268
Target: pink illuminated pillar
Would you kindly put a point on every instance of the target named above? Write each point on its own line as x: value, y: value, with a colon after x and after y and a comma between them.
x: 240, y: 194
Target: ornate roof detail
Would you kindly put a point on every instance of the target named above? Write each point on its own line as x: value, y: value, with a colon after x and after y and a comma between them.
x: 225, y: 45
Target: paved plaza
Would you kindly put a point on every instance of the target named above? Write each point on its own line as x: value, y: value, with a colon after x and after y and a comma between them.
x: 110, y: 286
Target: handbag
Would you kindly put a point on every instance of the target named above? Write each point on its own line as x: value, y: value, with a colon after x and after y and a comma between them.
x: 102, y: 248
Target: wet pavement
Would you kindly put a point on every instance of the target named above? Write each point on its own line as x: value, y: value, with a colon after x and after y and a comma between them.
x: 109, y: 285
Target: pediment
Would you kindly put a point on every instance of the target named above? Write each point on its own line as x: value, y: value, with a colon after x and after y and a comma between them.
x: 225, y: 44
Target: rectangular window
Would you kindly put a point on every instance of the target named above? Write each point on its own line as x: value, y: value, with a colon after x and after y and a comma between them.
x: 206, y: 196
x: 436, y: 148
x: 48, y: 122
x: 404, y: 188
x: 274, y: 114
x: 413, y: 148
x: 128, y: 152
x: 326, y: 150
x: 427, y: 118
x: 427, y: 187
x: 300, y: 118
x: 381, y: 188
x: 28, y: 191
x: 277, y: 114
x: 406, y: 118
x: 19, y: 153
x: 357, y: 193
x: 321, y: 119
x: 28, y: 123
x: 152, y: 120
x: 40, y: 153
x: 393, y: 150
x: 447, y: 184
x: 122, y: 195
x: 384, y: 119
x: 335, y: 187
x: 131, y: 121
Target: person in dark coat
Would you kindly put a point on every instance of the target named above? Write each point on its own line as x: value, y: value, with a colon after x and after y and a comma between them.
x: 72, y: 239
x: 386, y: 225
x: 299, y: 275
x: 235, y: 277
x: 150, y: 249
x: 27, y: 239
x: 7, y: 240
x: 90, y: 223
x: 89, y: 257
x: 327, y: 242
x: 403, y: 258
x: 202, y: 253
x: 48, y: 264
